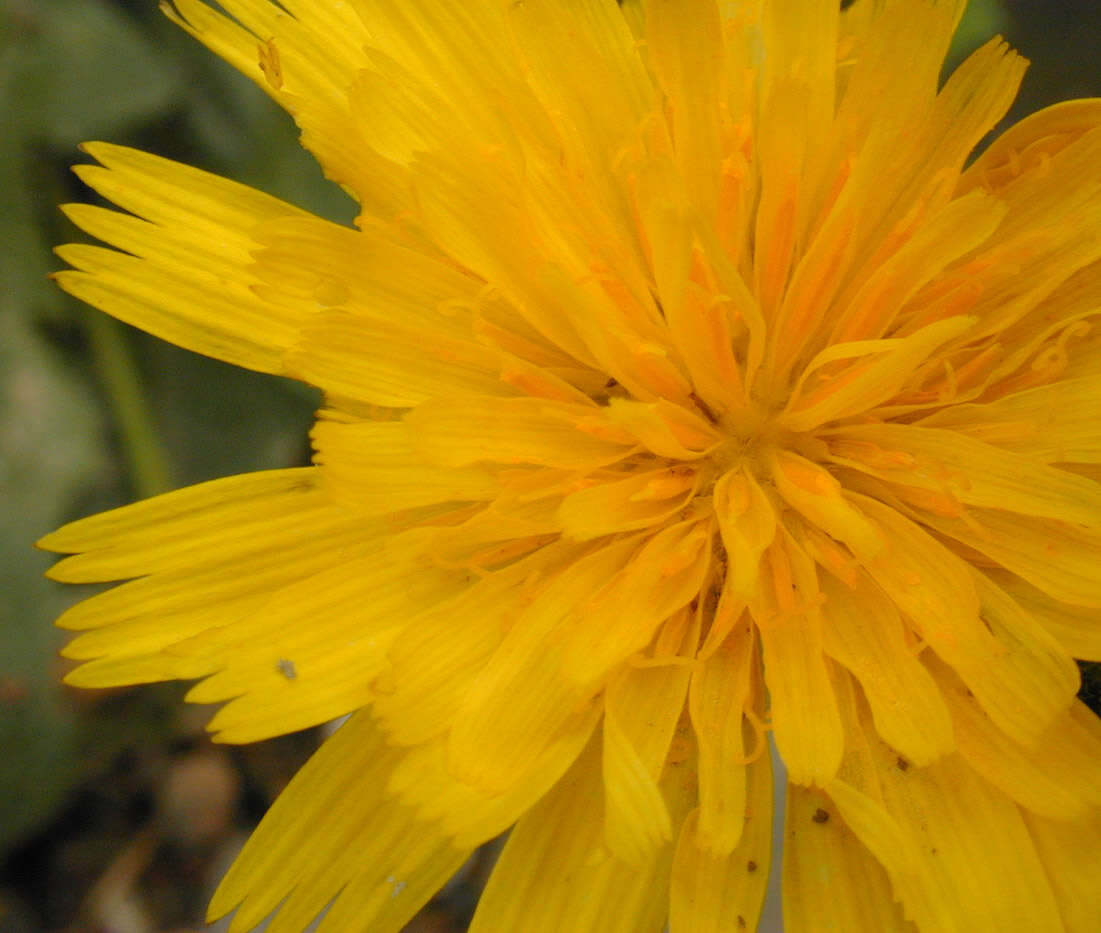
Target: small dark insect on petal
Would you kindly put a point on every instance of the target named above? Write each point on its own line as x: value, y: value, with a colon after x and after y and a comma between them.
x: 820, y: 816
x: 751, y: 865
x: 286, y: 668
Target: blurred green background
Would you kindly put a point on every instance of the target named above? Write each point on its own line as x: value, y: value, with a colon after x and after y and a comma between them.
x: 94, y: 414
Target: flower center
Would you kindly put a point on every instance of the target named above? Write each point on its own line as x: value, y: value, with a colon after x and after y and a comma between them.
x: 750, y: 436
x: 754, y: 436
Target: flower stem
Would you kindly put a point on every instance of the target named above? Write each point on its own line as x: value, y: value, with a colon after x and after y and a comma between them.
x: 113, y: 360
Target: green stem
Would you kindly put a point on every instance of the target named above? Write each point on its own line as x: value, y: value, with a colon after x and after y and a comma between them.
x: 130, y: 411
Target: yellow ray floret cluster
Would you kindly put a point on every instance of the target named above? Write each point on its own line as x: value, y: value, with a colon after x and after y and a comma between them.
x: 686, y: 384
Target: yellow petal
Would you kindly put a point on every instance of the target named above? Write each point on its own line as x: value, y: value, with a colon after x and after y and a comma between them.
x: 884, y: 104
x: 1076, y: 628
x: 471, y: 815
x: 555, y: 874
x: 1071, y: 853
x: 980, y: 474
x: 568, y: 46
x: 141, y: 627
x: 381, y: 297
x: 926, y: 581
x: 586, y: 621
x: 638, y: 501
x: 666, y: 429
x: 184, y: 275
x: 459, y: 431
x: 470, y: 207
x: 959, y: 227
x: 237, y: 563
x: 977, y: 867
x: 831, y: 882
x: 390, y: 364
x: 663, y: 577
x: 1052, y: 200
x: 303, y: 61
x: 698, y: 321
x: 485, y: 222
x: 434, y: 662
x: 308, y: 70
x: 863, y: 630
x: 333, y: 830
x: 310, y: 653
x: 747, y: 523
x: 207, y: 551
x: 980, y: 632
x: 1057, y: 558
x: 1056, y: 779
x: 1050, y: 423
x: 440, y: 78
x: 801, y: 38
x: 719, y: 698
x: 879, y: 106
x: 780, y: 156
x: 867, y: 384
x: 176, y: 196
x: 685, y: 45
x: 157, y: 534
x: 373, y: 468
x: 879, y: 94
x: 1031, y: 680
x: 813, y: 491
x: 642, y: 707
x: 713, y: 893
x: 635, y: 816
x: 1026, y: 143
x: 460, y: 50
x: 666, y: 220
x: 805, y: 719
x: 875, y: 828
x: 522, y: 697
x: 372, y: 271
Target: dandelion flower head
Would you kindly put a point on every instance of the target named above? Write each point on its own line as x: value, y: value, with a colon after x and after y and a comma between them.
x: 689, y: 381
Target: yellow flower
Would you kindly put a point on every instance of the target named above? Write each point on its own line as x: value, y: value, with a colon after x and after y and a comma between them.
x: 684, y: 384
